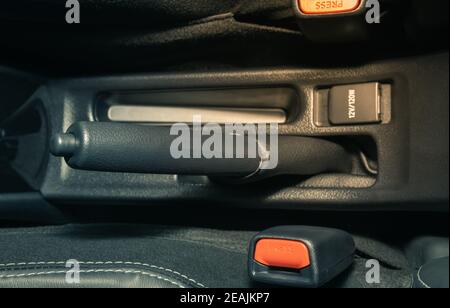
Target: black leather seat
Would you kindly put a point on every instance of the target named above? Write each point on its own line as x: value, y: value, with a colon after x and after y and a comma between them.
x: 151, y: 256
x: 123, y: 256
x: 99, y: 275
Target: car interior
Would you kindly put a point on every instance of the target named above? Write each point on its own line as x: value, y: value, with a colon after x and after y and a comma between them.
x: 349, y: 187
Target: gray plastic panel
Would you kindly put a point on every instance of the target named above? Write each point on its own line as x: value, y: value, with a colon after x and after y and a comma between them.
x: 413, y: 146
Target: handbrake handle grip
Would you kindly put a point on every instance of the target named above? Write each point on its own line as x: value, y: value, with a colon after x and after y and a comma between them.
x: 133, y: 148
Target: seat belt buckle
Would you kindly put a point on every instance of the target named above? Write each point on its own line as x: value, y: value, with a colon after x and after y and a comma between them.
x: 299, y: 256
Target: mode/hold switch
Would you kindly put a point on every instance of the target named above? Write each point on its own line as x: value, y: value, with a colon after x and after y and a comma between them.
x: 355, y: 104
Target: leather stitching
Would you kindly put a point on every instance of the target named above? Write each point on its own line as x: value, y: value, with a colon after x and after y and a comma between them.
x: 92, y: 271
x: 107, y: 263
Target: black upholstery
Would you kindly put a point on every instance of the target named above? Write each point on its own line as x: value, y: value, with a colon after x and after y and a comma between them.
x: 144, y: 34
x: 151, y: 256
x: 124, y: 256
x: 115, y: 275
x: 433, y: 275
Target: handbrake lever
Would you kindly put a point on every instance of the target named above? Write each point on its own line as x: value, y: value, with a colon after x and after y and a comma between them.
x: 133, y: 148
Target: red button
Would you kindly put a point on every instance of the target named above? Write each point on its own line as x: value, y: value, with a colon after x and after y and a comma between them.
x: 318, y: 7
x: 282, y: 253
